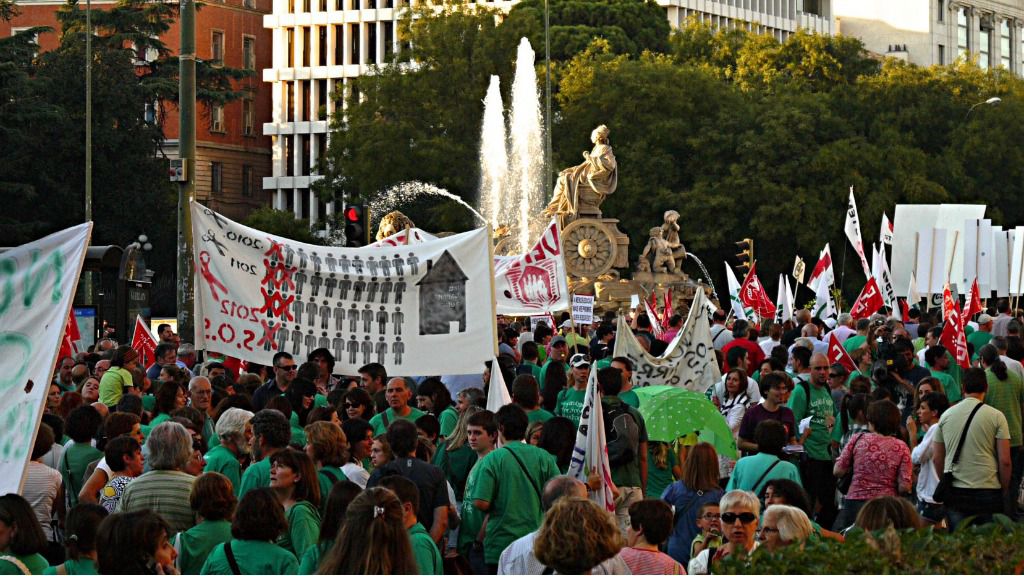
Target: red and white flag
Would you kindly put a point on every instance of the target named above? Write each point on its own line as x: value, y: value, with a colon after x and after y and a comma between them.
x: 868, y: 302
x: 837, y: 354
x: 590, y: 454
x: 144, y: 343
x: 666, y: 314
x: 948, y: 302
x: 653, y: 316
x: 885, y: 235
x: 852, y: 229
x: 973, y: 302
x: 69, y: 343
x: 953, y: 336
x: 822, y: 270
x: 752, y: 294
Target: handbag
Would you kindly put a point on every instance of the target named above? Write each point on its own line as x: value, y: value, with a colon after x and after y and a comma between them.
x: 945, y: 488
x: 844, y: 483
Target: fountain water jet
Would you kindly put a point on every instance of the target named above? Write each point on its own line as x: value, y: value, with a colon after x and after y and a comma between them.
x: 493, y: 158
x: 527, y: 144
x: 400, y: 194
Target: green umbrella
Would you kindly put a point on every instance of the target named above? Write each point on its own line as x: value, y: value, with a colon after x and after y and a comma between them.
x: 671, y: 412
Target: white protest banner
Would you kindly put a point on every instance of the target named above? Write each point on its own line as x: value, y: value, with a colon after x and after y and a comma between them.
x: 688, y: 362
x: 533, y: 282
x: 424, y: 308
x: 1002, y: 245
x: 37, y: 286
x: 1017, y: 262
x: 591, y: 450
x: 931, y: 261
x: 977, y: 238
x: 582, y: 309
x: 852, y: 229
x: 914, y: 221
x: 400, y: 238
x: 537, y: 320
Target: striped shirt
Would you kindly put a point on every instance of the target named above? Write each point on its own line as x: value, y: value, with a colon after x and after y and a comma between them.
x: 42, y: 484
x: 165, y: 492
x: 650, y: 562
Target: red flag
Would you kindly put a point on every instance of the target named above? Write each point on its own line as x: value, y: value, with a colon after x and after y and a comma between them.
x: 666, y: 314
x: 869, y: 301
x: 973, y: 302
x: 947, y: 303
x: 953, y: 337
x: 652, y: 309
x: 822, y: 270
x: 144, y: 343
x: 837, y: 354
x: 904, y: 309
x: 69, y: 343
x: 752, y: 294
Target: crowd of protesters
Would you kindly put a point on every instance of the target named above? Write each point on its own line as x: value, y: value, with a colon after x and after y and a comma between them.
x: 208, y: 467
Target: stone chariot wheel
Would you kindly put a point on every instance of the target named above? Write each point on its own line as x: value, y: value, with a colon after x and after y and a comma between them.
x: 506, y: 247
x: 590, y: 248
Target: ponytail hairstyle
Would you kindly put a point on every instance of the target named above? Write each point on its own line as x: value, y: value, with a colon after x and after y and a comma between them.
x: 660, y: 450
x: 990, y: 356
x: 82, y: 523
x: 852, y: 405
x: 373, y: 522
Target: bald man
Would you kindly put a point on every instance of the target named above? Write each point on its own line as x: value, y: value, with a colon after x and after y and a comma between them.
x: 813, y: 400
x: 200, y: 393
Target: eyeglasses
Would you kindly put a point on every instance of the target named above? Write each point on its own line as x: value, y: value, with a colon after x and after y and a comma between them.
x: 836, y: 375
x: 288, y: 368
x: 768, y: 530
x: 350, y: 405
x: 744, y: 517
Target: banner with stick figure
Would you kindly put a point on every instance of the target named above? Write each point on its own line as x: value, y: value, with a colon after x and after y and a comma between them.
x: 423, y: 308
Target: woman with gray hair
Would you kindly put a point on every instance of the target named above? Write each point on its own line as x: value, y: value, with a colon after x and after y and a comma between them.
x: 234, y: 432
x: 166, y: 488
x: 783, y: 526
x: 740, y: 514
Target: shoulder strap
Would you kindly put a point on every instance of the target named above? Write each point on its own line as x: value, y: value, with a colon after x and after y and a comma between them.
x: 527, y: 472
x: 17, y: 564
x: 963, y: 436
x: 765, y: 475
x: 332, y: 474
x: 384, y: 419
x: 807, y: 388
x: 231, y: 558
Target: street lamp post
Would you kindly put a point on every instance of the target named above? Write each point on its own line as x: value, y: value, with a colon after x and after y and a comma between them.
x: 187, y: 153
x: 88, y: 110
x: 993, y: 101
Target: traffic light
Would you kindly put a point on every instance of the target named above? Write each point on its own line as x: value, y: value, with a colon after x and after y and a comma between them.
x: 357, y: 226
x: 746, y: 255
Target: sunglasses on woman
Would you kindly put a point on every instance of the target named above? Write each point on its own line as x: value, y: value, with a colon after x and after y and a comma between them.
x: 744, y: 517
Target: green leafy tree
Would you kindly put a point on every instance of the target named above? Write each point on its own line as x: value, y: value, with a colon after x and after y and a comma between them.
x: 281, y: 223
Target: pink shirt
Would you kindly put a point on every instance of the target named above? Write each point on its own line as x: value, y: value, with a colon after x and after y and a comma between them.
x: 650, y: 562
x: 878, y: 462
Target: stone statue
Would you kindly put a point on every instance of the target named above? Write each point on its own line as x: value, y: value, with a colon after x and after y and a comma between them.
x: 670, y: 232
x: 661, y: 251
x: 581, y: 189
x: 392, y: 223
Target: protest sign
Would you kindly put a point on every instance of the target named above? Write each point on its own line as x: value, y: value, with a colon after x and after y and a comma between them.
x: 144, y: 343
x: 258, y: 294
x: 37, y: 286
x: 582, y: 309
x: 533, y: 282
x: 914, y: 221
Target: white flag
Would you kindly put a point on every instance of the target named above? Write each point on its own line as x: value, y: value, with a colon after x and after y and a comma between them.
x: 790, y: 311
x: 822, y: 270
x: 913, y: 296
x: 738, y: 309
x: 885, y: 235
x: 852, y: 228
x: 780, y: 301
x: 823, y: 306
x: 591, y: 450
x: 497, y: 391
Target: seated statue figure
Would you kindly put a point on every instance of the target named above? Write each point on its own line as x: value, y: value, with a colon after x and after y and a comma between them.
x: 581, y: 189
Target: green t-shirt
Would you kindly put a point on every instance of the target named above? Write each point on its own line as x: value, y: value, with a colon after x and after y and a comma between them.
x: 253, y: 557
x: 71, y: 567
x: 328, y: 477
x: 156, y: 421
x: 749, y: 470
x: 112, y: 385
x: 195, y: 544
x: 257, y: 475
x: 817, y: 444
x: 949, y: 385
x: 630, y: 398
x: 35, y: 563
x: 534, y: 369
x: 303, y: 529
x: 311, y: 559
x: 657, y: 478
x: 148, y: 403
x: 514, y: 497
x: 544, y: 372
x: 854, y: 342
x: 628, y: 474
x: 298, y: 435
x: 378, y: 421
x: 73, y: 464
x: 539, y: 415
x: 978, y: 467
x: 570, y: 404
x: 1006, y: 396
x: 220, y: 459
x: 428, y: 558
x: 456, y: 465
x: 448, y: 418
x: 979, y: 339
x: 472, y: 517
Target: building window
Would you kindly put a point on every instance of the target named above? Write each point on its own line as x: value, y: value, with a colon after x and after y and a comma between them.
x: 150, y: 114
x: 248, y: 52
x: 942, y: 10
x: 249, y: 3
x: 942, y: 55
x: 248, y: 117
x: 216, y: 178
x: 963, y: 35
x: 217, y: 48
x: 248, y: 180
x: 291, y: 47
x: 217, y: 118
x: 812, y: 7
x: 985, y: 48
x: 34, y: 38
x: 1004, y: 44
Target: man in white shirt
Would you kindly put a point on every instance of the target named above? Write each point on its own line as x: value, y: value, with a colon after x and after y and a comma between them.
x: 1014, y: 366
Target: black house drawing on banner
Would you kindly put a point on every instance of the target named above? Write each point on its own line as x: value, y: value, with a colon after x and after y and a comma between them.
x: 442, y: 296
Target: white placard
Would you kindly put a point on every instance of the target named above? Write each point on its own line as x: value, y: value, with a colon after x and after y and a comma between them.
x: 1017, y: 263
x: 977, y: 247
x: 1001, y: 244
x: 913, y: 220
x: 931, y: 261
x: 537, y: 320
x: 582, y: 309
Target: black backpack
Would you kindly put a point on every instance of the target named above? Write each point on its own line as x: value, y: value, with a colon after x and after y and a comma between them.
x: 622, y: 434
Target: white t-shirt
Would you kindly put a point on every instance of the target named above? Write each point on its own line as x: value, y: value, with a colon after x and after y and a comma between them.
x: 356, y: 473
x: 927, y: 478
x: 42, y: 484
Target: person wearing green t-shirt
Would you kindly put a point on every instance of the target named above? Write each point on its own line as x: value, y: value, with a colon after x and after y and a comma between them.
x: 294, y: 480
x: 234, y: 431
x: 433, y: 397
x: 814, y: 399
x: 938, y: 359
x: 481, y: 436
x: 570, y: 400
x: 662, y: 468
x: 428, y: 557
x: 397, y: 394
x: 258, y: 522
x: 509, y: 485
x: 82, y: 425
x: 119, y: 377
x: 526, y: 393
x: 627, y: 395
x: 270, y: 434
x: 22, y: 540
x: 559, y: 352
x: 80, y: 540
x: 213, y: 500
x: 982, y: 335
